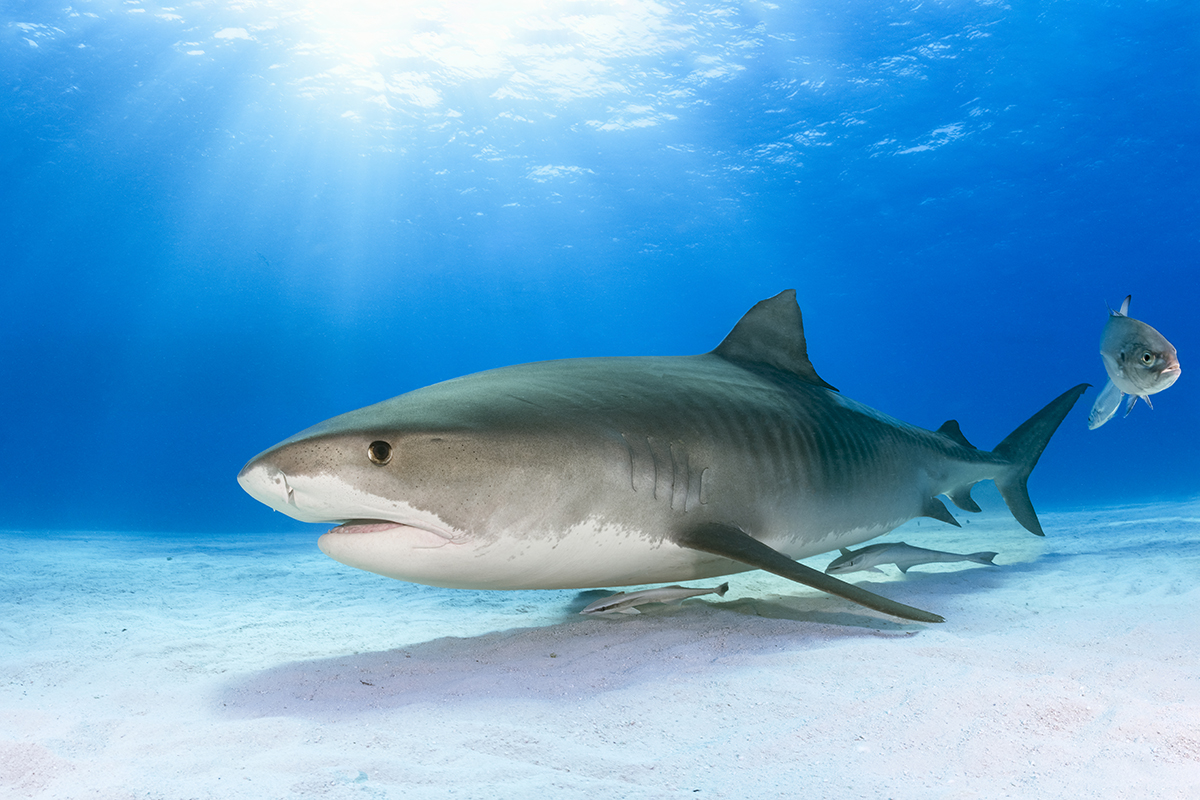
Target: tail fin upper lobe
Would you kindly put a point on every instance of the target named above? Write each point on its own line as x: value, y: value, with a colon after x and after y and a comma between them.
x: 1023, y: 447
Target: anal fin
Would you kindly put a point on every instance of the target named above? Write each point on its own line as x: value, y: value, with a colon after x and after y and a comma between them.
x: 732, y: 543
x: 961, y: 497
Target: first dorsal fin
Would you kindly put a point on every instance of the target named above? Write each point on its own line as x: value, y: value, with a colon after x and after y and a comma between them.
x: 772, y: 333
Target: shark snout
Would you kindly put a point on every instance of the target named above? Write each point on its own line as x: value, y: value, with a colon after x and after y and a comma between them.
x: 267, y: 484
x: 308, y: 498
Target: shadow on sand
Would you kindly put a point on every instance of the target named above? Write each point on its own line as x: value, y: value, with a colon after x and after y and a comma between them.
x: 572, y: 658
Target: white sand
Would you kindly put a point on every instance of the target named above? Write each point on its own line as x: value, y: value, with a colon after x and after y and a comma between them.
x: 230, y: 667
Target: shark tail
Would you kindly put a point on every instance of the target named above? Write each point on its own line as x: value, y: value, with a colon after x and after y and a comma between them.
x: 1023, y: 447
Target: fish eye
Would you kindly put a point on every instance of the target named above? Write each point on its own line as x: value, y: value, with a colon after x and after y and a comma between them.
x: 1147, y: 358
x: 379, y: 452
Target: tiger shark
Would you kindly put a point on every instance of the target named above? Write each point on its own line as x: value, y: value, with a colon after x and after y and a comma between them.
x: 601, y: 472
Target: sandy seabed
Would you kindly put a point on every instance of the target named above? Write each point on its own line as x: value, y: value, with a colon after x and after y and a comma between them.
x: 147, y: 666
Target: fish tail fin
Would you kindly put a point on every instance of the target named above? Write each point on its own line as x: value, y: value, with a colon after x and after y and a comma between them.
x: 984, y: 558
x: 722, y: 589
x: 1106, y: 406
x: 1023, y: 447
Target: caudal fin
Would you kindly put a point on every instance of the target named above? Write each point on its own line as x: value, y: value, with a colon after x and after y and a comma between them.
x: 1023, y: 447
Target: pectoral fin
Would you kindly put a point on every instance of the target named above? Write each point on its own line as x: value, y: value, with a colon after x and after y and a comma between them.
x: 732, y: 543
x: 1106, y: 406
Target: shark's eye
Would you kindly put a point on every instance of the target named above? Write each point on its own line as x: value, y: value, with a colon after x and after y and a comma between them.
x: 379, y: 452
x: 1147, y: 358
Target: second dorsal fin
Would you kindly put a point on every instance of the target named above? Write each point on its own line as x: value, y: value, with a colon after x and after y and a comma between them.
x: 951, y: 430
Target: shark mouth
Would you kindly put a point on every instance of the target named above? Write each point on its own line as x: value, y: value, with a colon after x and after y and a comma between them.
x: 367, y: 526
x: 434, y: 537
x: 341, y: 543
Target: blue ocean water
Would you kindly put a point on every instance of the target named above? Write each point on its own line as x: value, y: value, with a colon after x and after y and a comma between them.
x: 224, y: 222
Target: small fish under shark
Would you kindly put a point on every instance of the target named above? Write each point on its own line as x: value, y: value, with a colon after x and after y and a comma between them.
x: 628, y: 471
x: 1139, y: 361
x: 904, y: 556
x: 625, y: 603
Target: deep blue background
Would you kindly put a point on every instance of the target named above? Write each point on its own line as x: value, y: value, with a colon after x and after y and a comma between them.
x: 210, y: 242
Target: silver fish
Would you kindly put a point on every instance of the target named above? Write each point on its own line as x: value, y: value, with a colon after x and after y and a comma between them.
x: 622, y: 603
x: 632, y: 471
x: 904, y: 556
x: 1139, y: 361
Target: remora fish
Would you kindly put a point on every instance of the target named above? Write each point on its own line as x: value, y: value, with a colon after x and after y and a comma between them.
x: 1139, y: 361
x: 596, y: 472
x: 622, y: 603
x: 904, y: 556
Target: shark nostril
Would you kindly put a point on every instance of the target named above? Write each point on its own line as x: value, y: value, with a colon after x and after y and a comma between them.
x: 279, y: 480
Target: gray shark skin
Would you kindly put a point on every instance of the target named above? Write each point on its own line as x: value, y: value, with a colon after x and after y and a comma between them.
x: 622, y: 603
x: 1139, y: 361
x: 903, y: 555
x: 596, y: 472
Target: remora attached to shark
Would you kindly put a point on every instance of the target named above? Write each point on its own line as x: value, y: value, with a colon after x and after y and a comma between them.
x: 600, y: 472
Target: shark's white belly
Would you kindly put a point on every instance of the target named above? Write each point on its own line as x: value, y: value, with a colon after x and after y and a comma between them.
x: 591, y: 554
